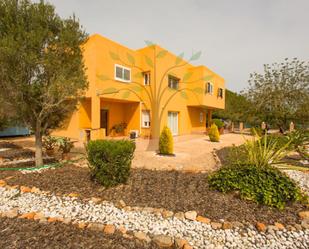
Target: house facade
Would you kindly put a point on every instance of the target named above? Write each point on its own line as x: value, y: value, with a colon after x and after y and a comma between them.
x: 142, y: 91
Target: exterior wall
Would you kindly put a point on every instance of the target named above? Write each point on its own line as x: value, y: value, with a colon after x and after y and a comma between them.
x: 105, y: 92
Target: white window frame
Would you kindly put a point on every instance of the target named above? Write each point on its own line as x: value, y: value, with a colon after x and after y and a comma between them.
x: 201, y: 117
x: 122, y: 67
x: 145, y: 123
x: 212, y: 88
x: 146, y: 73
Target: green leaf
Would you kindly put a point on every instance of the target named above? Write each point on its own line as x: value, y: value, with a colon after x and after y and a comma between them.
x: 109, y: 90
x: 131, y: 59
x: 179, y: 58
x: 126, y: 94
x: 196, y: 56
x: 103, y: 77
x: 161, y: 54
x: 198, y: 90
x: 138, y: 75
x: 149, y: 61
x: 208, y: 77
x: 114, y: 56
x: 150, y: 44
x: 184, y: 95
x: 137, y: 88
x: 187, y: 76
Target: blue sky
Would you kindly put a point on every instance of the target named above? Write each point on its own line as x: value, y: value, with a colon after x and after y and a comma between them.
x: 236, y: 37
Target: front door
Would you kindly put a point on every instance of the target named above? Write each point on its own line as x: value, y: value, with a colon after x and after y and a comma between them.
x: 104, y: 121
x: 173, y: 122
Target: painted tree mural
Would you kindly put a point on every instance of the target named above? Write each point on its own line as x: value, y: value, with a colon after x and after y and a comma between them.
x: 156, y: 97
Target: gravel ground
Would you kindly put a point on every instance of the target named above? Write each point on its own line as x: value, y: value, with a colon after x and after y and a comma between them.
x: 302, y: 178
x: 200, y: 235
x: 21, y: 233
x: 171, y: 190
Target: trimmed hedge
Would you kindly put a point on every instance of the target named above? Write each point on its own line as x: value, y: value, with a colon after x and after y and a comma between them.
x: 110, y: 160
x: 264, y: 185
x: 213, y: 133
x: 166, y: 142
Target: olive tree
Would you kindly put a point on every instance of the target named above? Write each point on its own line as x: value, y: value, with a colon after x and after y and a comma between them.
x: 42, y: 74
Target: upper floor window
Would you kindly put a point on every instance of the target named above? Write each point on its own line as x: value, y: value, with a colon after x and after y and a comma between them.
x: 145, y: 118
x: 173, y: 82
x: 122, y: 73
x: 209, y: 88
x: 146, y: 76
x: 220, y: 93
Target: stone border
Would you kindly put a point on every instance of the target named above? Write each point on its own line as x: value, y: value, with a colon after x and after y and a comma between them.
x: 189, y: 215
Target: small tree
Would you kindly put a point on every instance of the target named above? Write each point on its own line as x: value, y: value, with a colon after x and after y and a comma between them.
x: 166, y: 143
x: 213, y: 133
x: 281, y: 93
x: 41, y: 65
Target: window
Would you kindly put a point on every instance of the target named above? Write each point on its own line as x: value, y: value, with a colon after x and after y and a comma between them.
x: 201, y: 117
x: 173, y: 82
x: 209, y: 88
x: 146, y: 78
x: 122, y: 73
x: 145, y: 118
x: 220, y: 93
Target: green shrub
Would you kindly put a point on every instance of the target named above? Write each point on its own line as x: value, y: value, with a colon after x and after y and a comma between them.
x: 218, y: 122
x: 166, y: 143
x: 65, y: 144
x: 265, y: 151
x: 49, y: 142
x: 264, y: 185
x: 213, y: 133
x: 110, y: 160
x: 119, y: 127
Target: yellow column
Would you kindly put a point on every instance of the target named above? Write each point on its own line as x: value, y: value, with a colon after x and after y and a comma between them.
x: 95, y: 118
x: 209, y: 118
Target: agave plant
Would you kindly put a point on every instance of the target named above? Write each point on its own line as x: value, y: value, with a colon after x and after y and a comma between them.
x: 262, y: 151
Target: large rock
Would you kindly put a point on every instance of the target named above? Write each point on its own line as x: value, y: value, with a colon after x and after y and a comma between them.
x: 25, y: 189
x: 261, y: 227
x: 191, y: 215
x: 203, y: 219
x: 304, y: 214
x: 142, y: 236
x: 216, y: 225
x: 163, y: 241
x: 2, y: 183
x: 13, y: 213
x: 167, y: 214
x: 179, y: 215
x: 180, y: 243
x: 109, y: 229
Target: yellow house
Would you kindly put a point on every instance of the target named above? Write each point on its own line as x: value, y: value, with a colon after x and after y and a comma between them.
x: 141, y: 91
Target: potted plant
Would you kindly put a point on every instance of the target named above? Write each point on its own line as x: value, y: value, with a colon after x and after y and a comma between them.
x: 49, y: 144
x: 220, y: 124
x: 119, y: 128
x: 65, y: 145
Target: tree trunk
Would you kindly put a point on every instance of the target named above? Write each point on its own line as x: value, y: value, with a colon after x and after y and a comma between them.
x: 38, y: 147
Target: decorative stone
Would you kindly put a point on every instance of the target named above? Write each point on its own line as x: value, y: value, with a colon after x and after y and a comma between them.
x: 216, y: 225
x: 28, y: 216
x: 122, y: 229
x: 167, y: 214
x: 52, y: 219
x: 82, y: 225
x: 305, y: 223
x: 237, y: 224
x: 2, y: 183
x: 279, y: 225
x: 127, y: 208
x: 298, y: 227
x: 290, y: 228
x: 163, y: 241
x: 187, y: 246
x: 179, y: 215
x: 43, y: 221
x: 95, y: 200
x: 141, y: 236
x: 38, y: 216
x: 35, y: 190
x: 191, y: 215
x: 13, y: 213
x: 109, y: 229
x: 180, y: 243
x: 121, y: 204
x: 203, y: 219
x: 261, y: 227
x: 227, y: 225
x: 25, y: 189
x: 67, y: 221
x: 303, y: 214
x: 127, y: 236
x: 73, y: 195
x: 95, y: 226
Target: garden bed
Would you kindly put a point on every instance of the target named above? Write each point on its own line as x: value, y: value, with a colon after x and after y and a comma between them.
x: 21, y: 233
x: 171, y: 190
